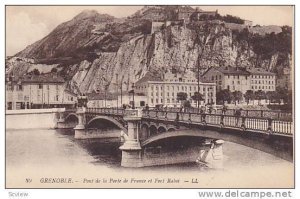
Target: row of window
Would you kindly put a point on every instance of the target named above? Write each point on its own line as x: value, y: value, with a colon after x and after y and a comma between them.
x: 263, y: 76
x: 20, y: 87
x: 261, y: 82
x: 183, y: 88
x: 180, y: 80
x: 262, y: 87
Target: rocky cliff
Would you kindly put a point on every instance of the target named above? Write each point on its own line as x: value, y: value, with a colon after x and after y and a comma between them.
x: 94, y: 51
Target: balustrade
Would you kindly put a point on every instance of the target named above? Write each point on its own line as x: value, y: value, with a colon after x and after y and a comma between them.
x: 269, y: 122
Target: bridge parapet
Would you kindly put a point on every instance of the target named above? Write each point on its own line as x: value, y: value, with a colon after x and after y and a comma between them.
x: 262, y: 124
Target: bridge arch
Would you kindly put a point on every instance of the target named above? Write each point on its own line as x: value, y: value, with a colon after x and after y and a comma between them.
x: 144, y: 131
x: 260, y: 142
x: 108, y: 119
x: 71, y: 117
x: 171, y: 129
x: 152, y: 130
x: 161, y: 129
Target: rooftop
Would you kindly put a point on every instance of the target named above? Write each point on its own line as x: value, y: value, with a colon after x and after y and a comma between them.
x: 148, y: 77
x: 229, y: 70
x: 259, y: 71
x: 46, y: 78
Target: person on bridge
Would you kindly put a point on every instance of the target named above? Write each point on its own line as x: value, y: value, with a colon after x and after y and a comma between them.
x: 147, y: 108
x: 237, y: 114
x: 224, y: 109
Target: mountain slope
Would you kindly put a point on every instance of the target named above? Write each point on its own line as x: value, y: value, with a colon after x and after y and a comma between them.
x: 93, y: 49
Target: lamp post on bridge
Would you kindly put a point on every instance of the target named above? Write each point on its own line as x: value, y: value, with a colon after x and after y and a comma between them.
x: 105, y: 88
x: 133, y: 102
x: 117, y: 81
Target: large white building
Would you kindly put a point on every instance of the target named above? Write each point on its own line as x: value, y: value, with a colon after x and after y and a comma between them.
x: 164, y: 90
x: 38, y: 91
x: 240, y: 79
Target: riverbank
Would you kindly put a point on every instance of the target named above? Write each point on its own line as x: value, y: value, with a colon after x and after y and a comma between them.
x: 32, y: 118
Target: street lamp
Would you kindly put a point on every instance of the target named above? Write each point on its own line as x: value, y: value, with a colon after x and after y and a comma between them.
x: 106, y: 87
x: 133, y: 104
x: 121, y: 90
x: 117, y: 77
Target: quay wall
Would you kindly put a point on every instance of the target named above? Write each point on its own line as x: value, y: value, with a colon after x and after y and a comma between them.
x: 32, y: 118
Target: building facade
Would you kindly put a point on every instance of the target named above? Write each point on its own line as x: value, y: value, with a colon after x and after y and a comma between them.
x: 163, y: 91
x: 38, y: 92
x: 285, y: 80
x: 240, y: 79
x: 231, y: 78
x: 262, y: 80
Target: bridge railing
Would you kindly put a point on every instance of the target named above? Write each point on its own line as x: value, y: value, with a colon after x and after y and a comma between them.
x: 232, y: 121
x: 267, y: 124
x: 105, y: 111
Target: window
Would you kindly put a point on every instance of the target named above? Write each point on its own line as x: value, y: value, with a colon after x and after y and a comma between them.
x: 156, y: 93
x: 19, y: 87
x: 40, y: 86
x: 232, y: 82
x: 212, y: 78
x: 142, y: 103
x: 151, y: 87
x: 9, y: 87
x: 156, y: 100
x: 161, y: 100
x: 168, y: 94
x: 238, y: 82
x: 152, y: 100
x: 180, y: 79
x: 56, y: 97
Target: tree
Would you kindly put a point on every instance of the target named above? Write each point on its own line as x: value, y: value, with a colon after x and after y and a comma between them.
x: 36, y: 72
x: 224, y: 95
x: 187, y: 104
x: 259, y: 95
x: 237, y: 96
x: 271, y: 95
x: 181, y: 96
x: 249, y: 95
x: 197, y: 97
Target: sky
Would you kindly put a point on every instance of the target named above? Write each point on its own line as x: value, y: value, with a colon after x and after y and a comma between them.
x: 27, y: 24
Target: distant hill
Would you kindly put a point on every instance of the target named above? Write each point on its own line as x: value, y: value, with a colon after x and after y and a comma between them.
x: 94, y: 49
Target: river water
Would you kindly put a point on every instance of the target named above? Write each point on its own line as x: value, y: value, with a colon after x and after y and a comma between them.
x: 95, y: 163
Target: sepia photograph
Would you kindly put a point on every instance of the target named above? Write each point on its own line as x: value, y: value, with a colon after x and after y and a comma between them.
x: 149, y: 96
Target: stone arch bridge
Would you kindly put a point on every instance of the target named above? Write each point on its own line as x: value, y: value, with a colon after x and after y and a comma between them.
x: 197, y: 136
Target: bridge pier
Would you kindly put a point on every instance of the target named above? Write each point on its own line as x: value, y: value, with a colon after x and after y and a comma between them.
x: 80, y: 132
x: 212, y: 155
x: 131, y: 149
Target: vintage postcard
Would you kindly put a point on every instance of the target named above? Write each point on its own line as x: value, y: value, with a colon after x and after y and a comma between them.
x: 149, y: 96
